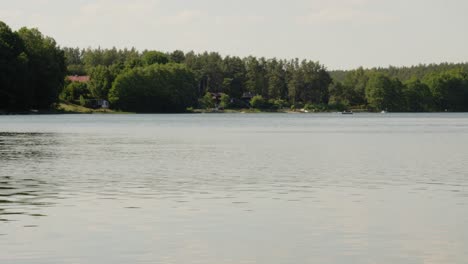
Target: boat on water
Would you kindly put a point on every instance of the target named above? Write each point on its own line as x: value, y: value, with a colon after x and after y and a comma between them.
x: 347, y: 112
x: 383, y: 112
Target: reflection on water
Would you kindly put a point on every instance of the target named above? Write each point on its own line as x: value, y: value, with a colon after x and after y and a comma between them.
x: 19, y: 194
x: 22, y: 197
x: 25, y: 145
x: 234, y: 189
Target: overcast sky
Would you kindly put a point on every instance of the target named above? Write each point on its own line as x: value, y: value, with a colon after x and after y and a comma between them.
x: 341, y: 34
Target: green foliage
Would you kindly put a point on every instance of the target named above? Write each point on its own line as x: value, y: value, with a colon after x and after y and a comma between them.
x: 32, y: 69
x: 449, y: 90
x: 73, y: 91
x: 431, y: 87
x: 316, y: 107
x: 234, y: 72
x: 177, y: 56
x: 339, y: 94
x: 308, y: 82
x: 46, y: 67
x: 207, y: 101
x: 208, y: 71
x: 154, y: 57
x: 258, y: 102
x: 279, y: 103
x: 354, y: 87
x: 82, y: 101
x: 384, y: 93
x: 418, y: 97
x: 155, y: 88
x: 406, y: 73
x: 225, y: 101
x: 14, y: 90
x: 256, y: 79
x: 276, y: 74
x: 101, y: 81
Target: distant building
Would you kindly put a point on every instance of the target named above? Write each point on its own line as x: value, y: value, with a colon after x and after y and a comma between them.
x: 76, y: 78
x: 247, y: 95
x: 98, y: 103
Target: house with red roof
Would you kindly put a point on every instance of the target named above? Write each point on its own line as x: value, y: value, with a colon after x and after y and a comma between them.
x: 76, y: 78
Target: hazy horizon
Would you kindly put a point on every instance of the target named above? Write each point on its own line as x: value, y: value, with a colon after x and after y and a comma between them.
x: 340, y: 34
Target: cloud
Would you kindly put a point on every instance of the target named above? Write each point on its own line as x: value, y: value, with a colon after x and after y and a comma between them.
x: 119, y: 13
x: 338, y: 11
x: 238, y: 20
x: 343, y: 15
x: 182, y: 17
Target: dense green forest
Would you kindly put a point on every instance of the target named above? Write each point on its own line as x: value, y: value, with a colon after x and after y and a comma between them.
x: 277, y: 83
x: 33, y: 70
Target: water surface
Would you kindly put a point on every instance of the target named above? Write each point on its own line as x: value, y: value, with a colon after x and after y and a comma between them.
x: 234, y: 188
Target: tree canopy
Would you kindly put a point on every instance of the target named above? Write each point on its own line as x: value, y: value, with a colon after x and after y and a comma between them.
x: 32, y: 69
x: 155, y: 88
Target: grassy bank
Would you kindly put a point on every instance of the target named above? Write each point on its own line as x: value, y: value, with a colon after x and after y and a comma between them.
x: 63, y: 108
x: 69, y: 108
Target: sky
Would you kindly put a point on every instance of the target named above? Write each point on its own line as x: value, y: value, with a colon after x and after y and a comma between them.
x: 341, y: 34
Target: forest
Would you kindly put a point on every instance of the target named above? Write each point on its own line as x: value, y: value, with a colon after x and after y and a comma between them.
x: 33, y: 70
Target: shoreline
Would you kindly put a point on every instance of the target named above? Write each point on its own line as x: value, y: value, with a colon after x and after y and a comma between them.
x: 73, y: 109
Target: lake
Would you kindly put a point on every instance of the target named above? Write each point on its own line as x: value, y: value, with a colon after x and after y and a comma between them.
x: 234, y: 188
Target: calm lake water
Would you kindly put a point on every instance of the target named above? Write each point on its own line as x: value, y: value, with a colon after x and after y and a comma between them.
x: 234, y: 188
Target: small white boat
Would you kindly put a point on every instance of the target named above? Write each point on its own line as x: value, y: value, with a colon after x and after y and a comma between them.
x: 383, y: 112
x: 347, y: 112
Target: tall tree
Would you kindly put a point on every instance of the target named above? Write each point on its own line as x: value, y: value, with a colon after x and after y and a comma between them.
x: 449, y: 89
x: 101, y: 81
x: 154, y: 57
x: 14, y: 91
x: 418, y: 97
x: 177, y: 56
x: 277, y: 87
x: 47, y: 69
x: 256, y: 76
x: 155, y: 88
x: 233, y: 69
x: 384, y: 93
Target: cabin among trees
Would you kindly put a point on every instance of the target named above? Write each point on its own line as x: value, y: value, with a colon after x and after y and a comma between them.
x: 81, y: 79
x: 78, y: 90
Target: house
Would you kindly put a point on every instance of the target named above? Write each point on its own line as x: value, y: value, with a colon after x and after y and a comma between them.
x: 98, y: 103
x: 92, y: 103
x: 76, y: 78
x: 246, y: 97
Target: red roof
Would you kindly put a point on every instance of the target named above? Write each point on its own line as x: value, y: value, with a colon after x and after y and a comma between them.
x: 77, y: 78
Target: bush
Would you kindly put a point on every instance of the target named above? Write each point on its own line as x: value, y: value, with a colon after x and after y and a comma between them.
x: 316, y: 107
x: 258, y: 102
x: 225, y: 101
x: 154, y: 89
x: 82, y: 101
x: 206, y: 102
x: 238, y: 104
x: 73, y: 91
x: 279, y: 103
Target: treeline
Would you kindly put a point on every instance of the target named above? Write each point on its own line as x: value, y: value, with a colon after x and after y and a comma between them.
x: 285, y: 83
x: 427, y: 89
x: 278, y: 82
x: 405, y: 73
x: 32, y: 69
